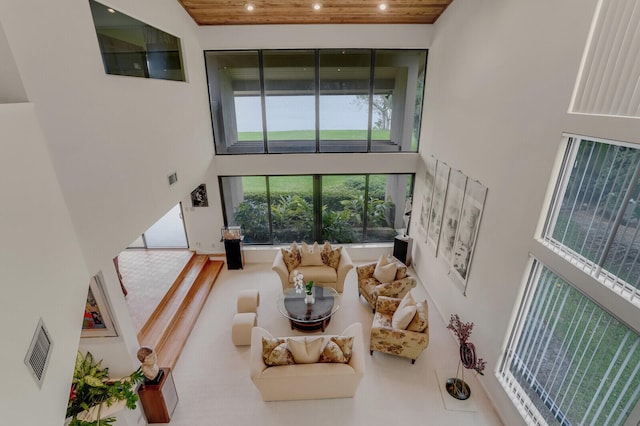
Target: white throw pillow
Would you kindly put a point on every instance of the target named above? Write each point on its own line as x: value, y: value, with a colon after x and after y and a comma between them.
x: 306, y: 350
x: 311, y: 255
x: 385, y: 271
x: 404, y: 314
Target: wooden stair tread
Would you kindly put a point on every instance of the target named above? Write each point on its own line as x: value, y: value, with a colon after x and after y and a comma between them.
x: 156, y: 326
x: 170, y: 347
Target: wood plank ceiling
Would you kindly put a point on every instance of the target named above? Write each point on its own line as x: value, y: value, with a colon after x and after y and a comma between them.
x: 236, y: 12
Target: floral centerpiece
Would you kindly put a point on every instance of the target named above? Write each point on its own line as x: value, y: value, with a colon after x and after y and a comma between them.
x: 92, y: 391
x: 457, y: 386
x: 298, y: 281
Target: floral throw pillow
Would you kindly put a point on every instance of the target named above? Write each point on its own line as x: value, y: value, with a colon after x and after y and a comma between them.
x: 291, y: 256
x: 331, y: 256
x: 338, y: 349
x: 276, y: 352
x: 421, y: 319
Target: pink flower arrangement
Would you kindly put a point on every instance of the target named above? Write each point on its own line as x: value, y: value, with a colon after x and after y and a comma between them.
x: 462, y: 330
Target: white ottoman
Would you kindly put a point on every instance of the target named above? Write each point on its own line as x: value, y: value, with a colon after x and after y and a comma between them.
x: 248, y: 301
x: 243, y: 323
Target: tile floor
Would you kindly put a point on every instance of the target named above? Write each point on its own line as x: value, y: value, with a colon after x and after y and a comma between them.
x: 147, y: 275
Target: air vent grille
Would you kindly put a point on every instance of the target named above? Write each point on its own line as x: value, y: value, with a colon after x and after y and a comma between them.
x: 39, y: 352
x: 173, y: 178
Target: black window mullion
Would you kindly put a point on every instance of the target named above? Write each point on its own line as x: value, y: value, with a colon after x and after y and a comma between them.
x: 372, y: 68
x: 263, y: 102
x: 317, y: 207
x: 317, y: 97
x: 269, y: 210
x: 365, y: 213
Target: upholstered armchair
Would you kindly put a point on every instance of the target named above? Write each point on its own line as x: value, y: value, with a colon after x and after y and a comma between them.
x: 371, y: 288
x: 406, y: 342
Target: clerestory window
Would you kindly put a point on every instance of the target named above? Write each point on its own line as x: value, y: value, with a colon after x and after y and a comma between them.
x: 316, y: 100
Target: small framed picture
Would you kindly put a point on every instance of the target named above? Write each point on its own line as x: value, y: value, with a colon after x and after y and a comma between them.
x: 97, y: 320
x: 199, y: 196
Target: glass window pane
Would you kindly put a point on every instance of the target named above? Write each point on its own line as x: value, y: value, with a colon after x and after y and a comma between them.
x: 397, y: 87
x: 245, y: 201
x: 236, y: 107
x: 572, y: 362
x: 385, y: 207
x: 344, y: 100
x: 343, y: 208
x: 595, y: 218
x: 289, y: 82
x: 291, y: 208
x: 168, y: 231
x: 132, y: 48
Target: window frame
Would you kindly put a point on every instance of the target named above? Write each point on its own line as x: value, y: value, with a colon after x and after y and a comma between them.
x: 410, y: 124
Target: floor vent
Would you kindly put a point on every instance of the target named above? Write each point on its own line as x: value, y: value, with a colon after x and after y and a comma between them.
x: 39, y: 353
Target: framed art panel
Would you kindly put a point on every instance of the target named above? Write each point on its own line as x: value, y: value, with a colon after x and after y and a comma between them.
x: 451, y: 214
x: 437, y: 204
x: 199, y: 196
x: 472, y: 207
x: 97, y: 320
x: 427, y: 195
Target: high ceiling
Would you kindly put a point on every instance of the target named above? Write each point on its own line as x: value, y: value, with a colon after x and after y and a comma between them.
x: 236, y: 12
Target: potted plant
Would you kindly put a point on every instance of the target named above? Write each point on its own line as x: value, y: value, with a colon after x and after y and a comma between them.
x: 94, y: 395
x: 298, y: 280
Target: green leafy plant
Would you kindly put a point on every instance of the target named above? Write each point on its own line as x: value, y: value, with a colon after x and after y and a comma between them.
x: 92, y: 387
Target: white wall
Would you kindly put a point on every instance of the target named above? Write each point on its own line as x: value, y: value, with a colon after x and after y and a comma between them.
x: 85, y: 170
x: 43, y: 272
x: 113, y: 139
x: 499, y: 83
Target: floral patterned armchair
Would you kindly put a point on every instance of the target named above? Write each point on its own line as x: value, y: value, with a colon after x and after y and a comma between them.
x: 370, y: 288
x: 396, y: 341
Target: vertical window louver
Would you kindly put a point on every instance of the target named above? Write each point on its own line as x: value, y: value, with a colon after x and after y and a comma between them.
x: 609, y: 80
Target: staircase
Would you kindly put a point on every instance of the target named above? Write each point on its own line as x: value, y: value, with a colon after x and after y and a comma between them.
x: 170, y: 324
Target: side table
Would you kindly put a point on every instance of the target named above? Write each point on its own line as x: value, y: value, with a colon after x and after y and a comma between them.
x: 158, y: 400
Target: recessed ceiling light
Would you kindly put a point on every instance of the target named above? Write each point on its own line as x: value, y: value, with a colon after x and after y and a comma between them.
x: 111, y: 10
x: 249, y: 7
x: 317, y: 6
x: 382, y: 6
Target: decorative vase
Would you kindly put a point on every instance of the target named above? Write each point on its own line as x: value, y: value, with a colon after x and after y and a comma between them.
x: 309, y: 299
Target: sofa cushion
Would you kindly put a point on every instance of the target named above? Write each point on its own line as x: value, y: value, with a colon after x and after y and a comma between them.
x: 319, y: 274
x: 402, y: 271
x: 306, y: 350
x: 291, y: 256
x: 338, y: 349
x: 385, y: 270
x: 421, y: 319
x: 403, y: 316
x: 311, y: 255
x: 276, y: 352
x: 330, y: 255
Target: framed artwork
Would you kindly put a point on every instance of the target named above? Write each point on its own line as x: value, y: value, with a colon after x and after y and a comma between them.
x: 437, y: 204
x: 451, y: 214
x: 199, y: 196
x: 97, y: 320
x: 427, y: 195
x: 472, y: 206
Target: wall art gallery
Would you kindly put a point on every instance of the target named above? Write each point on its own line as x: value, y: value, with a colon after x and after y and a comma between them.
x: 452, y: 205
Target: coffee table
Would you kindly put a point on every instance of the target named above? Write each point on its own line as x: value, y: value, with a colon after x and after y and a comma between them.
x: 309, y: 316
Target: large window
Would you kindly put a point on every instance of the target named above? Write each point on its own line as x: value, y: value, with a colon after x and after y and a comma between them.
x: 570, y: 362
x: 338, y: 208
x: 132, y: 48
x: 595, y: 219
x: 574, y: 356
x: 307, y: 101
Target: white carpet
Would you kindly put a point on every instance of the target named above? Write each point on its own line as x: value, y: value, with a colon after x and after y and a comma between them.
x: 212, y: 375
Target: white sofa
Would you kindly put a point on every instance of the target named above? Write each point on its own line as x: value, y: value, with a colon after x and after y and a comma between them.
x: 307, y: 381
x: 323, y: 276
